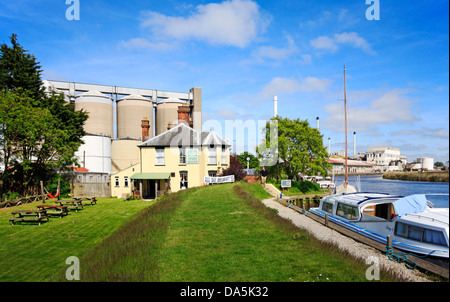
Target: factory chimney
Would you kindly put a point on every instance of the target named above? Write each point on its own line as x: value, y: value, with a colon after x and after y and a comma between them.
x: 275, y: 106
x: 354, y: 144
x: 317, y: 119
x: 329, y: 147
x: 145, y: 125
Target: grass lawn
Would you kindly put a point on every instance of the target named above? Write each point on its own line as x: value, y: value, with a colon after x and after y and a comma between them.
x: 220, y: 233
x: 31, y: 252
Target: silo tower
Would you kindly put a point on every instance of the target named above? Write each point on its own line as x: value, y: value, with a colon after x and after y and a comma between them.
x: 100, y: 109
x: 130, y: 111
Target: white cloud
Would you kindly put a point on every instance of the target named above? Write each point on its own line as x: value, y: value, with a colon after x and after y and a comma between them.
x: 324, y: 43
x: 234, y: 23
x: 332, y: 44
x: 390, y: 107
x: 354, y: 40
x: 144, y: 44
x: 276, y: 53
x: 280, y: 85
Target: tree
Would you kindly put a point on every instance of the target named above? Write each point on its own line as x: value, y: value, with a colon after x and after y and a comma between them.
x: 39, y: 132
x: 20, y: 70
x: 235, y: 169
x: 299, y: 149
x: 253, y: 163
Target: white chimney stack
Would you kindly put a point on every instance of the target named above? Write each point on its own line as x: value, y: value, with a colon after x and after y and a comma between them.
x: 275, y: 106
x: 354, y: 144
x: 329, y: 146
x: 317, y: 119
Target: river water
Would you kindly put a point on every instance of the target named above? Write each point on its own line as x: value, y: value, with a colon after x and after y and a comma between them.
x: 376, y: 184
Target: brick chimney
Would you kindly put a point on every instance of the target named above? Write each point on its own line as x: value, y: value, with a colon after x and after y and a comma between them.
x: 145, y: 129
x: 183, y: 115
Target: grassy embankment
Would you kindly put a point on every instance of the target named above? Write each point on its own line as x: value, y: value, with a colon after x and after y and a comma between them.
x: 213, y: 233
x: 418, y: 176
x: 297, y: 188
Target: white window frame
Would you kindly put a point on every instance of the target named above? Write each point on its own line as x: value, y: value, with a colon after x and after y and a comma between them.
x: 159, y: 156
x: 212, y: 156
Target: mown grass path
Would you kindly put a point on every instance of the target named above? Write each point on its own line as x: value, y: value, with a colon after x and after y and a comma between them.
x: 216, y: 235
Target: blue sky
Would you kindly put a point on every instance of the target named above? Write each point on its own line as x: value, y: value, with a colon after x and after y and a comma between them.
x: 242, y: 53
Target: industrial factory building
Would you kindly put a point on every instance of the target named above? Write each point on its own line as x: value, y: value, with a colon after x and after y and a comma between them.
x: 113, y: 129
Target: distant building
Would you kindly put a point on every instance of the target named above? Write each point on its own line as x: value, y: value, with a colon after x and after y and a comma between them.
x: 385, y: 159
x: 422, y: 163
x: 353, y: 166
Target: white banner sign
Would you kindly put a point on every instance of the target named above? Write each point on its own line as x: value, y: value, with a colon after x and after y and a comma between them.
x: 218, y: 180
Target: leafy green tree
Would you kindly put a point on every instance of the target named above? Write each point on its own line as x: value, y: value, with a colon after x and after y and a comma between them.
x: 299, y: 150
x: 253, y: 163
x: 39, y: 132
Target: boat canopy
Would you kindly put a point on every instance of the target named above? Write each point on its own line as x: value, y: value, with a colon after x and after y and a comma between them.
x: 410, y: 204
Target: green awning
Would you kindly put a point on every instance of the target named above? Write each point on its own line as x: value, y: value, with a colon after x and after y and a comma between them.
x: 151, y: 176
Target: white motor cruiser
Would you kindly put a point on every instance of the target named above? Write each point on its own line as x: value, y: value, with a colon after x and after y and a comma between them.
x: 412, y: 222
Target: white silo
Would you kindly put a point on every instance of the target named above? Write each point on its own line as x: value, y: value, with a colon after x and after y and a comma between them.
x: 95, y: 153
x: 167, y: 113
x: 100, y: 109
x: 130, y: 111
x: 427, y: 163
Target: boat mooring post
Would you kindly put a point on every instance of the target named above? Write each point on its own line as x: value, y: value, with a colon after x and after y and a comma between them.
x: 389, y: 241
x: 326, y: 219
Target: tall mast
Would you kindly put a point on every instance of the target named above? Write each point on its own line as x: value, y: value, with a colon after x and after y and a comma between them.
x: 345, y: 109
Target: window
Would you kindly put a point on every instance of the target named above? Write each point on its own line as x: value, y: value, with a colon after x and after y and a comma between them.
x: 224, y: 156
x: 420, y: 234
x: 159, y: 156
x: 125, y: 181
x: 347, y: 211
x: 192, y: 155
x: 327, y: 207
x: 212, y: 156
x: 116, y: 181
x: 182, y: 155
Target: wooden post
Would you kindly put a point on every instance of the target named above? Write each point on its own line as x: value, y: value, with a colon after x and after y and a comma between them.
x: 389, y: 241
x: 326, y: 219
x: 42, y: 191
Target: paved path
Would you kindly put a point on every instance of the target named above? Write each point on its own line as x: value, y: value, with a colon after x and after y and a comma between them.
x: 359, y: 250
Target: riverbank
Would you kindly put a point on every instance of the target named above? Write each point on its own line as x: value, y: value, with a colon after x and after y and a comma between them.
x: 418, y: 176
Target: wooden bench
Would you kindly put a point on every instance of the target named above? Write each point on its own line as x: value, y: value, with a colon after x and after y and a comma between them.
x: 85, y: 200
x: 54, y: 210
x: 29, y: 216
x: 71, y: 204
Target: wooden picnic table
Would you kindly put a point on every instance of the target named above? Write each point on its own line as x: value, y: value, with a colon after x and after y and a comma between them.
x: 71, y: 204
x: 29, y: 216
x: 54, y: 209
x: 90, y: 200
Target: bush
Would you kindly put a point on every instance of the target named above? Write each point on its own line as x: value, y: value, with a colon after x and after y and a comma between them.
x: 235, y: 169
x: 306, y: 186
